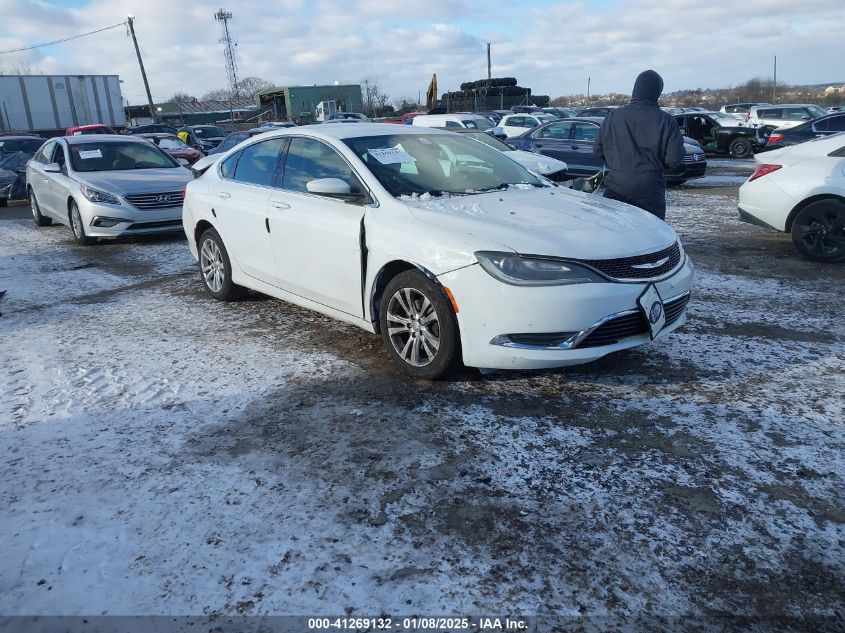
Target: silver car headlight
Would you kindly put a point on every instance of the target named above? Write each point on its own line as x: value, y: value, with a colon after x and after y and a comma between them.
x: 95, y: 195
x: 517, y: 270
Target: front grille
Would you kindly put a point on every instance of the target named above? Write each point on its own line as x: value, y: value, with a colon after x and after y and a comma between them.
x: 633, y: 324
x: 161, y: 200
x: 142, y: 226
x: 694, y: 158
x: 624, y: 267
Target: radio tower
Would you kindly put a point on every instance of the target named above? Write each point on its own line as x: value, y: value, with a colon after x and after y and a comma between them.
x: 223, y: 17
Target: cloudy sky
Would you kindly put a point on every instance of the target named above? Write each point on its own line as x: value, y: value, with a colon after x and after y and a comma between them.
x: 551, y: 47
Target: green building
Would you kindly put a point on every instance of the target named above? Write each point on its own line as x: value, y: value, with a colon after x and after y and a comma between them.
x: 298, y: 103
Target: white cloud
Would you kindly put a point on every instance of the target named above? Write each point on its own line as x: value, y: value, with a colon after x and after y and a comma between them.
x: 551, y: 48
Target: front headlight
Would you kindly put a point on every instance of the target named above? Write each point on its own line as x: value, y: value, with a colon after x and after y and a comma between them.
x: 517, y: 270
x: 95, y: 195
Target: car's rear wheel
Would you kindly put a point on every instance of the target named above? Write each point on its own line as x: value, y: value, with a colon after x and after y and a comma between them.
x: 40, y: 220
x: 740, y: 148
x: 418, y: 326
x: 78, y: 227
x: 216, y: 268
x: 818, y: 231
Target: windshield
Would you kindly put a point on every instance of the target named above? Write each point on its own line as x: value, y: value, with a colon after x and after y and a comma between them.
x: 208, y: 131
x: 85, y: 157
x: 545, y: 118
x: 490, y: 141
x: 408, y: 164
x: 16, y: 161
x: 816, y: 111
x: 481, y: 123
x: 725, y: 120
x: 30, y: 145
x: 171, y: 143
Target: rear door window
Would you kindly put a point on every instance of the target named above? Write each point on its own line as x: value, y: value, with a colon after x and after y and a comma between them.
x: 796, y: 114
x: 559, y: 131
x: 257, y: 163
x: 585, y: 132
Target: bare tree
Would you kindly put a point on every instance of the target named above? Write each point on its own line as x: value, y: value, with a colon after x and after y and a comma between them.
x: 19, y: 68
x: 251, y: 86
x: 181, y: 97
x: 372, y: 96
x: 218, y: 94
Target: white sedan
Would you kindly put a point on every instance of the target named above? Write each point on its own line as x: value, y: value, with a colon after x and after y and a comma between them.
x: 446, y: 247
x: 800, y: 190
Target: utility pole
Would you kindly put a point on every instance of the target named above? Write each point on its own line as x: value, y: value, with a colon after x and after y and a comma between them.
x: 775, y: 83
x: 489, y: 67
x: 588, y: 90
x: 131, y: 22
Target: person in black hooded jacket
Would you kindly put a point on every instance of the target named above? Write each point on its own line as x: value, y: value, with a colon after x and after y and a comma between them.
x: 638, y: 142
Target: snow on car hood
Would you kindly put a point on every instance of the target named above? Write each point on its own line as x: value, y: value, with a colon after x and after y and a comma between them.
x: 551, y: 221
x: 538, y: 163
x: 131, y: 181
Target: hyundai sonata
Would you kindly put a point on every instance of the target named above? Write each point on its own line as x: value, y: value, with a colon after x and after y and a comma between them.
x: 443, y: 245
x: 105, y: 186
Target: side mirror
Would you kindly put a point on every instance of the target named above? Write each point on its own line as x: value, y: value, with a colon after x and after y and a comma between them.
x: 328, y: 187
x: 333, y: 188
x: 53, y: 168
x: 182, y: 162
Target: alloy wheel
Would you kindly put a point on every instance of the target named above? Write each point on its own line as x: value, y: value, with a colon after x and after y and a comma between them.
x: 76, y: 222
x: 212, y: 266
x: 413, y: 327
x: 823, y: 233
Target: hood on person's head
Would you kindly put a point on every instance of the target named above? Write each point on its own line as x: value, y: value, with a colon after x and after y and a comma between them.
x: 648, y: 87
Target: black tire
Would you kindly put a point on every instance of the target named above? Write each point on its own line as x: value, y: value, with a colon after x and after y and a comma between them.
x: 40, y: 220
x: 818, y: 231
x: 214, y: 269
x: 403, y: 307
x: 740, y: 147
x: 77, y: 226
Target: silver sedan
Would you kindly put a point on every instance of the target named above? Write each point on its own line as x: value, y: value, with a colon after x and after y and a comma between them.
x: 106, y: 186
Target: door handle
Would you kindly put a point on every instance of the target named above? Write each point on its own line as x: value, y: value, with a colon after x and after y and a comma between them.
x: 575, y: 146
x: 538, y: 144
x: 279, y: 205
x: 224, y: 195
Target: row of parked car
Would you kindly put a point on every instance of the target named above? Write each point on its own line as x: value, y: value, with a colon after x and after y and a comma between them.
x: 418, y: 234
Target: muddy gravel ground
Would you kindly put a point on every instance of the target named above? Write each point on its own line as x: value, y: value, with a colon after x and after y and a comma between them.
x: 163, y: 453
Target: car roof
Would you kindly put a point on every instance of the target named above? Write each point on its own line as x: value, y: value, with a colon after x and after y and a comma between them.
x: 21, y: 137
x: 784, y: 105
x: 104, y: 138
x: 341, y: 132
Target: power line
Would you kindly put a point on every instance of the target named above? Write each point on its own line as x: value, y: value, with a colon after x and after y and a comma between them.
x: 65, y: 39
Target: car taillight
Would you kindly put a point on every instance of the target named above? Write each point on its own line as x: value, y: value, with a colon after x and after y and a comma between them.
x: 762, y: 170
x: 774, y: 138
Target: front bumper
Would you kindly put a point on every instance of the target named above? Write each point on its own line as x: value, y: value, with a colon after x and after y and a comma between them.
x: 113, y: 220
x: 490, y: 312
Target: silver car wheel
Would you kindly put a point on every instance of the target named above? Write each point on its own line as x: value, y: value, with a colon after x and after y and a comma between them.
x: 413, y: 327
x: 35, y: 210
x: 211, y: 264
x: 76, y: 223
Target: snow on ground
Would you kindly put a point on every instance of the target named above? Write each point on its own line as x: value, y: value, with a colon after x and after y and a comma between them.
x: 163, y: 453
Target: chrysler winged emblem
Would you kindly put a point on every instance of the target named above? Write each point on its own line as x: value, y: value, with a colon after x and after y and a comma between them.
x: 650, y: 265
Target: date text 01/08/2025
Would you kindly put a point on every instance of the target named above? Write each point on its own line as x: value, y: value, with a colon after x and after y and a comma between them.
x: 418, y: 624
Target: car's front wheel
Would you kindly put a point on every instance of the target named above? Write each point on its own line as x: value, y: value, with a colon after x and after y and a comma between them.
x: 216, y: 268
x: 418, y: 326
x: 40, y: 220
x: 78, y: 227
x: 740, y: 148
x: 818, y: 231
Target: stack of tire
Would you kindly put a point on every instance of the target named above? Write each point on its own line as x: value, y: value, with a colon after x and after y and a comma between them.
x: 501, y: 91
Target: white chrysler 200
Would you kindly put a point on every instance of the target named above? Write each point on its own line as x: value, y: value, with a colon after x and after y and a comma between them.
x: 446, y: 247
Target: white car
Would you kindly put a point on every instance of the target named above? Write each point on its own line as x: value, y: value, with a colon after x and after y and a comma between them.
x: 784, y: 116
x: 800, y: 190
x: 454, y: 121
x: 516, y: 124
x: 446, y: 247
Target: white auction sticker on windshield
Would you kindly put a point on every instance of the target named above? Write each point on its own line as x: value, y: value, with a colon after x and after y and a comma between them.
x: 90, y: 153
x: 392, y: 155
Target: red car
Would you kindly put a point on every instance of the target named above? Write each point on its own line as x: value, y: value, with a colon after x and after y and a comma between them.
x: 173, y: 145
x: 97, y: 128
x: 409, y: 116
